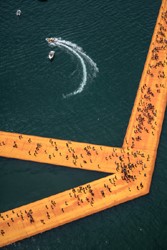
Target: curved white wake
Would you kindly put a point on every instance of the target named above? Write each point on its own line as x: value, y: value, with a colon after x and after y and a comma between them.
x: 83, y: 58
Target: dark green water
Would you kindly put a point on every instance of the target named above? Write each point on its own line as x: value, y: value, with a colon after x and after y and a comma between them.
x: 116, y: 35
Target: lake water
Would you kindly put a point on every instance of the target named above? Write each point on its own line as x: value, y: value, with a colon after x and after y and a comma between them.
x: 116, y: 36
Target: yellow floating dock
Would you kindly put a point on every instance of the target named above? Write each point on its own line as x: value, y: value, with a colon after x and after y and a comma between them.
x: 131, y: 166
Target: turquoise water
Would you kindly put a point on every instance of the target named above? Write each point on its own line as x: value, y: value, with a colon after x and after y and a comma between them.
x: 116, y: 36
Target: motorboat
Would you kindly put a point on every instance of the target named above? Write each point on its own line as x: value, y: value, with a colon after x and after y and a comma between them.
x: 18, y: 12
x: 51, y: 54
x: 51, y: 40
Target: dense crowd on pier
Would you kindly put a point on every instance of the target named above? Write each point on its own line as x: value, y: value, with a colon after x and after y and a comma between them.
x: 146, y: 120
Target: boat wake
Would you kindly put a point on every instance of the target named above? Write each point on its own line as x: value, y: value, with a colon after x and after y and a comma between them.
x: 89, y: 67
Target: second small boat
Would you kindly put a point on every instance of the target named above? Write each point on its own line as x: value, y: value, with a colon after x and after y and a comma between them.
x: 51, y: 55
x: 18, y: 13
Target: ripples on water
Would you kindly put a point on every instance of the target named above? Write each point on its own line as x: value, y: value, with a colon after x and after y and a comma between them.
x: 116, y: 35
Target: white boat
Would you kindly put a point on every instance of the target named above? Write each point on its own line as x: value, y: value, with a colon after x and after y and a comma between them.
x: 18, y: 12
x: 51, y: 54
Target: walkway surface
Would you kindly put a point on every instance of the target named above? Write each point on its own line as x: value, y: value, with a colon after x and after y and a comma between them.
x: 130, y: 167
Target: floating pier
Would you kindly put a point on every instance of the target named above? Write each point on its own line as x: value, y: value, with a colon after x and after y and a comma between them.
x: 130, y: 167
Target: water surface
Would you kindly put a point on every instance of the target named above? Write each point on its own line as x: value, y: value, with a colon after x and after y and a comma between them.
x: 116, y: 35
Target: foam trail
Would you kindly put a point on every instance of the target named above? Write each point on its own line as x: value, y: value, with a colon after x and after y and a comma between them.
x: 81, y: 55
x: 80, y: 50
x: 73, y: 45
x: 84, y: 78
